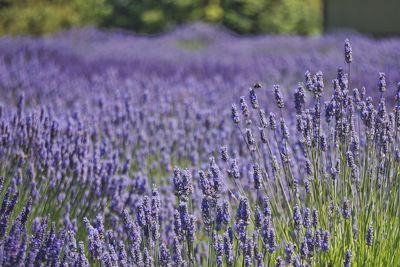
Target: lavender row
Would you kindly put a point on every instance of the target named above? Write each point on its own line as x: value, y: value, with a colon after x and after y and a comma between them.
x: 304, y: 177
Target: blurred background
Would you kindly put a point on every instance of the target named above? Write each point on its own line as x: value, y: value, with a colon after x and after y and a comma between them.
x: 302, y: 17
x: 152, y: 16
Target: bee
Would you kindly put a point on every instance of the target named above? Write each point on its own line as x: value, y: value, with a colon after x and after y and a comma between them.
x: 257, y: 85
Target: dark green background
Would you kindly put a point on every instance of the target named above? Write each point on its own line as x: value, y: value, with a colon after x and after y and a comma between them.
x: 375, y: 17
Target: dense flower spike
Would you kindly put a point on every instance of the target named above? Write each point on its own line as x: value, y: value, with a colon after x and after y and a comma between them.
x: 325, y: 241
x: 348, y: 53
x: 253, y: 96
x: 272, y: 121
x: 315, y: 218
x: 257, y: 176
x: 370, y: 236
x: 243, y: 212
x: 382, y: 82
x: 346, y: 210
x: 299, y: 99
x: 224, y: 153
x: 165, y: 258
x: 297, y: 217
x: 306, y: 218
x: 289, y: 251
x: 278, y: 97
x: 228, y: 249
x: 234, y: 170
x: 235, y: 114
x: 245, y: 109
x: 347, y: 260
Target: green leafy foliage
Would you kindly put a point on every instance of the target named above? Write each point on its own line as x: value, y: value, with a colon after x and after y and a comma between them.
x: 152, y: 16
x: 243, y: 16
x: 43, y: 16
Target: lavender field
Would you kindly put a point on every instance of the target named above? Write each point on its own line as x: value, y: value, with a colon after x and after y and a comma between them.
x: 199, y: 148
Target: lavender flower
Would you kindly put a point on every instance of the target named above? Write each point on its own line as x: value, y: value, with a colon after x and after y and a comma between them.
x: 308, y: 81
x: 177, y: 253
x: 243, y: 212
x: 342, y: 81
x: 122, y: 256
x: 187, y: 187
x: 219, y: 249
x: 267, y: 209
x: 289, y: 251
x: 244, y: 107
x: 284, y: 129
x: 165, y: 258
x: 309, y: 237
x: 346, y: 211
x: 224, y: 153
x: 279, y: 262
x: 258, y: 218
x: 95, y: 243
x: 306, y: 218
x: 234, y: 171
x: 228, y: 249
x: 317, y: 239
x: 318, y: 85
x: 299, y: 99
x: 178, y: 228
x: 347, y: 259
x: 297, y: 262
x: 249, y: 137
x: 370, y: 236
x: 226, y: 217
x: 272, y: 121
x: 315, y: 218
x: 263, y: 118
x: 191, y: 228
x: 147, y: 259
x: 263, y: 135
x: 253, y: 96
x: 308, y: 167
x: 297, y: 217
x: 177, y: 181
x: 278, y: 97
x: 304, y: 252
x: 382, y: 82
x: 348, y: 54
x: 271, y: 240
x: 325, y: 241
x: 235, y: 114
x: 356, y: 96
x: 257, y: 176
x: 82, y: 260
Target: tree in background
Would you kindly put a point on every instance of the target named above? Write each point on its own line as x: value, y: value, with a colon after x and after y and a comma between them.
x: 272, y: 16
x: 152, y: 16
x: 43, y: 16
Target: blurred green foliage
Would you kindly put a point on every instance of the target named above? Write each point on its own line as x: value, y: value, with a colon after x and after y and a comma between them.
x: 43, y: 16
x: 152, y: 16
